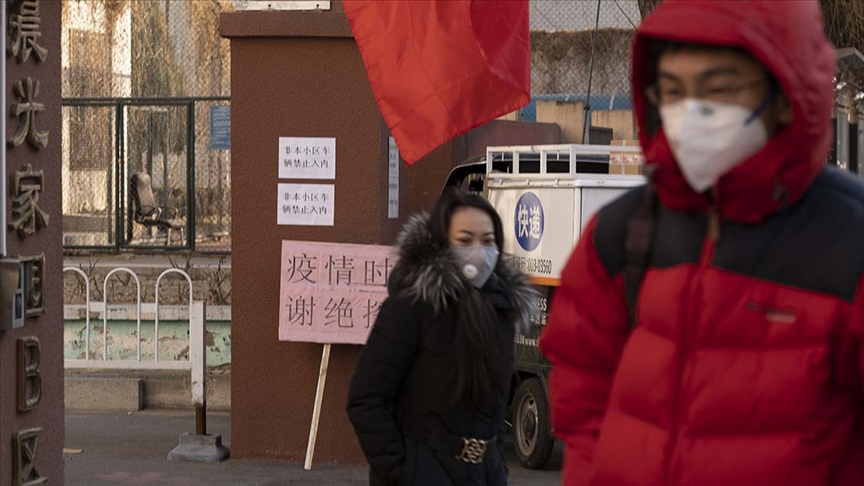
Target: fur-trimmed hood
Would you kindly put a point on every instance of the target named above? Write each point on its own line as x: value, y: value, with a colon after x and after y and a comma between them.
x: 427, y: 272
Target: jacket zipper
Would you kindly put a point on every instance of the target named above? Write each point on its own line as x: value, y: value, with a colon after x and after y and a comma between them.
x: 705, y: 257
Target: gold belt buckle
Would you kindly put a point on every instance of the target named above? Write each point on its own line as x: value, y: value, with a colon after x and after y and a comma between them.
x: 473, y: 450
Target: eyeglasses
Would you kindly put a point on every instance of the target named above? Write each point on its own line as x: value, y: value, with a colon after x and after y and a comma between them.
x: 721, y: 92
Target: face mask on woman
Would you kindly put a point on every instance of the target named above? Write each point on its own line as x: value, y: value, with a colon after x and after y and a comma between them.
x: 477, y: 262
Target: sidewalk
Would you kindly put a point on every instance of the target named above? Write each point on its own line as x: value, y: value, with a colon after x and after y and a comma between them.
x: 121, y: 449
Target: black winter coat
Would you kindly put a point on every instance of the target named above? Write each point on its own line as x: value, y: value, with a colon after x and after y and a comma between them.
x: 402, y: 371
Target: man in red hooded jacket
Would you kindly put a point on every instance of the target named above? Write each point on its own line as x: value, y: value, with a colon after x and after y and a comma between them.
x: 742, y: 362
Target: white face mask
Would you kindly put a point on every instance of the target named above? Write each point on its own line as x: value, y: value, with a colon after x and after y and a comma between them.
x: 710, y: 138
x: 477, y: 262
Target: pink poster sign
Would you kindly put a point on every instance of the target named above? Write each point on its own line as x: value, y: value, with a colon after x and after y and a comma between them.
x: 331, y: 292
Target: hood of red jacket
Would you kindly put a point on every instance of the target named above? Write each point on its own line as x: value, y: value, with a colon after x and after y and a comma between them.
x: 788, y: 39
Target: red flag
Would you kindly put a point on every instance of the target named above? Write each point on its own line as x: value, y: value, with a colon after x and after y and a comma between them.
x: 439, y: 68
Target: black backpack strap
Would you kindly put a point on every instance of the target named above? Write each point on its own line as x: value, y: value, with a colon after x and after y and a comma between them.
x: 637, y: 246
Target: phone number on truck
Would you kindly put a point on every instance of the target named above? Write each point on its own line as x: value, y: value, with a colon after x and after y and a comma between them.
x: 533, y: 265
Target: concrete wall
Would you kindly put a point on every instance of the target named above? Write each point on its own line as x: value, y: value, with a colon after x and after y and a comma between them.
x: 48, y: 414
x: 622, y: 122
x: 123, y: 342
x: 568, y: 115
x: 130, y: 390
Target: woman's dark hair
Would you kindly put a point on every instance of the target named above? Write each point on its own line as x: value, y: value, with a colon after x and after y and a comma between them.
x: 474, y: 374
x: 451, y: 201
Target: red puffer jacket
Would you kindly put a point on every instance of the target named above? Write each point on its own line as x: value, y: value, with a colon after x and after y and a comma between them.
x: 745, y: 366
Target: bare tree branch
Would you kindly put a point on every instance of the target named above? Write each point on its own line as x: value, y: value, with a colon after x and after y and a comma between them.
x: 844, y: 20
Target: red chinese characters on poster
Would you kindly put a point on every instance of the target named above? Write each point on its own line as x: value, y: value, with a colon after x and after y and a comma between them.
x: 331, y: 293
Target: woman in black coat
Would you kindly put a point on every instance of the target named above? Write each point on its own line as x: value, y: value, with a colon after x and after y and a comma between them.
x: 429, y: 396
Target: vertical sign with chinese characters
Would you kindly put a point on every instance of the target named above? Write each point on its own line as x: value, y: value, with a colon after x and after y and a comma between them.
x: 393, y: 182
x: 28, y: 37
x: 307, y: 158
x: 331, y: 293
x: 305, y: 204
x: 220, y: 127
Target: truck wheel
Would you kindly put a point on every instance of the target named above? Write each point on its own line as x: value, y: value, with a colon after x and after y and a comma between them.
x: 531, y: 431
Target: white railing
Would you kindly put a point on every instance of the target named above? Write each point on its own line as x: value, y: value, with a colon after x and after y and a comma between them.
x: 156, y: 332
x: 105, y: 311
x: 196, y: 363
x: 87, y: 306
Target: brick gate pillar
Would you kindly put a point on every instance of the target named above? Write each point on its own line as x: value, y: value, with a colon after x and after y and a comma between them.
x: 31, y: 356
x: 299, y: 74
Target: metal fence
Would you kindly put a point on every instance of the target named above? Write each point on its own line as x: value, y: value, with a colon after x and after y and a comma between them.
x: 562, y: 38
x: 107, y: 141
x: 141, y: 79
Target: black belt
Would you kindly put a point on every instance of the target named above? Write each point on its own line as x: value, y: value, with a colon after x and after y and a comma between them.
x: 466, y: 449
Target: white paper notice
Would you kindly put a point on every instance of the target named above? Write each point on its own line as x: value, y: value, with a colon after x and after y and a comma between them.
x: 393, y: 184
x: 307, y: 158
x: 306, y: 204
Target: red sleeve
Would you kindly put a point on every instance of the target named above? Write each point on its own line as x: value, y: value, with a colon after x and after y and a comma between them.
x: 858, y: 332
x: 851, y: 372
x: 853, y: 347
x: 588, y: 326
x: 850, y: 367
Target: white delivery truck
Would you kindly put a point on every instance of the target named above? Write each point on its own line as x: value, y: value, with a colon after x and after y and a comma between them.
x: 546, y: 195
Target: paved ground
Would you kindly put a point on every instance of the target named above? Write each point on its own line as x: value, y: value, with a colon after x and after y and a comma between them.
x: 120, y: 449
